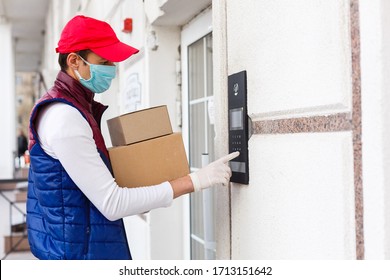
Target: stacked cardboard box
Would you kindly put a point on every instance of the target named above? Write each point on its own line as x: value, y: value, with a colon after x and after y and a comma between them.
x: 146, y: 151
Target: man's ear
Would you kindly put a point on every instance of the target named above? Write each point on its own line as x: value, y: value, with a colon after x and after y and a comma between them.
x: 73, y: 61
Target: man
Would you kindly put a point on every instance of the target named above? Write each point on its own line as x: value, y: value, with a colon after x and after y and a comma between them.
x: 74, y: 206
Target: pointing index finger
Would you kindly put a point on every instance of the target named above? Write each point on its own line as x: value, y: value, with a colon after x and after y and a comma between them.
x: 229, y: 157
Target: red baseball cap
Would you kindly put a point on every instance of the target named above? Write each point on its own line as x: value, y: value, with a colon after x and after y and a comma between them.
x: 82, y: 33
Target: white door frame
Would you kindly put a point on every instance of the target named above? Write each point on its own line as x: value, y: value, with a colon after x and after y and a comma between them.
x: 199, y: 27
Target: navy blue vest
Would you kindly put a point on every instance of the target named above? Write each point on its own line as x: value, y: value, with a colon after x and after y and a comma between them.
x: 62, y: 223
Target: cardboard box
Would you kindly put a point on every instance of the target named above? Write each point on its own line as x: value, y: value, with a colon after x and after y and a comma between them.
x: 149, y: 162
x: 139, y: 126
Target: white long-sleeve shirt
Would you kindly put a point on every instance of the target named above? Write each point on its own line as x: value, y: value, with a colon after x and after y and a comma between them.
x: 65, y: 135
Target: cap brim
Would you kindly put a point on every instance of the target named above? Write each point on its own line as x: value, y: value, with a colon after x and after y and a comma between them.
x: 116, y: 52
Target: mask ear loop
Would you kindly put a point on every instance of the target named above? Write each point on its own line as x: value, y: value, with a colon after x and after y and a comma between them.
x: 78, y: 73
x: 86, y: 62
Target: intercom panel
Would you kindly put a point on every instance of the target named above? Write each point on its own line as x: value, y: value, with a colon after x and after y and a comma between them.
x: 238, y: 126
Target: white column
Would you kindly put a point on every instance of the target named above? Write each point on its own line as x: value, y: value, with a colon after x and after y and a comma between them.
x: 220, y: 64
x: 375, y: 70
x: 7, y: 104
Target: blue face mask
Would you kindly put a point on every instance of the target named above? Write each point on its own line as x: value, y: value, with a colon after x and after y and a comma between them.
x: 101, y: 77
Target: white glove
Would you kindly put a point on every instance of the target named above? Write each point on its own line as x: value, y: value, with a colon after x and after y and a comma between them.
x: 215, y: 174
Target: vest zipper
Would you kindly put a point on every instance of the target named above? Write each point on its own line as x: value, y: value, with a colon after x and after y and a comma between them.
x: 87, y: 229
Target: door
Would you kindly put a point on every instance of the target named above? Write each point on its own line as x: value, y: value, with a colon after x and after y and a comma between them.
x: 198, y: 129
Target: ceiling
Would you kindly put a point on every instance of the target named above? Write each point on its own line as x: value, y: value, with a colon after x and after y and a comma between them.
x: 27, y: 19
x: 179, y: 12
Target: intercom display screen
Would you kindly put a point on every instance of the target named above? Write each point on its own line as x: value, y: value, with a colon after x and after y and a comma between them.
x: 236, y: 119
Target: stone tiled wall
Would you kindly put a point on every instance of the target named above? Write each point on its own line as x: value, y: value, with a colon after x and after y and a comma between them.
x: 350, y: 121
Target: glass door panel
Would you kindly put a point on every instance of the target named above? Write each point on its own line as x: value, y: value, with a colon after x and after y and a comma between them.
x: 201, y: 145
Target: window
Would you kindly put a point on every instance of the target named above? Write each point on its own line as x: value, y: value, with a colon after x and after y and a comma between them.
x: 201, y: 144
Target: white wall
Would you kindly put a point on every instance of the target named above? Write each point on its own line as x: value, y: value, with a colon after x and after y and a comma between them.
x: 300, y: 200
x: 58, y: 13
x: 299, y: 55
x: 7, y: 105
x: 7, y: 123
x: 163, y: 88
x: 375, y: 64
